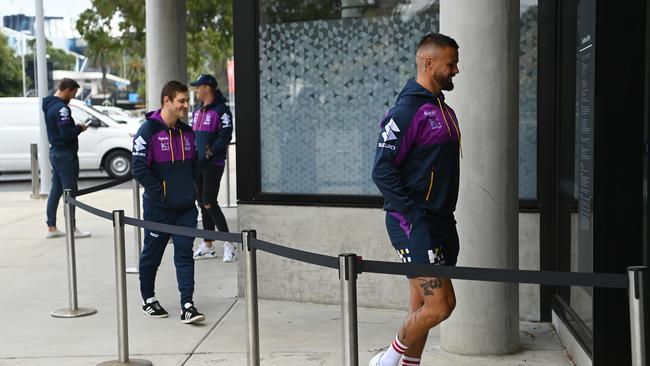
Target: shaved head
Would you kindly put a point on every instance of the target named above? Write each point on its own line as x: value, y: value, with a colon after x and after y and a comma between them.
x: 431, y: 45
x: 436, y: 57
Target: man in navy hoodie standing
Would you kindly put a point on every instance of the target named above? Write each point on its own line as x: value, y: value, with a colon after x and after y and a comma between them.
x: 164, y: 163
x: 212, y: 124
x: 62, y: 135
x: 417, y: 170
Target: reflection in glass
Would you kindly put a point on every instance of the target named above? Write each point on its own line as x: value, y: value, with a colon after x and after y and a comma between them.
x: 528, y: 100
x: 328, y: 72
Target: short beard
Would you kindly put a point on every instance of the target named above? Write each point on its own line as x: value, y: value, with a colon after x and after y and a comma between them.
x: 444, y: 82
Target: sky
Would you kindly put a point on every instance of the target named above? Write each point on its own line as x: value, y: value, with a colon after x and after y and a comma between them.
x: 68, y: 9
x: 55, y: 8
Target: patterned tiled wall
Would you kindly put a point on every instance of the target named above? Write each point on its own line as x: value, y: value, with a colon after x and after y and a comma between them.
x: 324, y: 86
x: 528, y: 104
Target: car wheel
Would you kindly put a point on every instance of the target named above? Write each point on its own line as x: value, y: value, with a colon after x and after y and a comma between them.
x: 118, y: 164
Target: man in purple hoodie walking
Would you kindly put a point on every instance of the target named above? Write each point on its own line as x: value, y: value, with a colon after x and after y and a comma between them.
x: 164, y: 162
x: 417, y: 169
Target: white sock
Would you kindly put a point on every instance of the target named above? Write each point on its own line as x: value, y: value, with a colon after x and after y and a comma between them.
x: 410, y: 361
x: 150, y: 300
x: 393, y: 354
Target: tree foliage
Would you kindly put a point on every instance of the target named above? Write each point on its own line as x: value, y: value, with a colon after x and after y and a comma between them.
x: 59, y: 58
x: 10, y: 72
x: 209, y: 36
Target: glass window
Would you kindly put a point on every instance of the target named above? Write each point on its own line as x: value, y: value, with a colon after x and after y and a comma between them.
x: 79, y: 115
x: 328, y: 72
x: 528, y: 100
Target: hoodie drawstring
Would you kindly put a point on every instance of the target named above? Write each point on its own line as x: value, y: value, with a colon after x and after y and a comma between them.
x: 201, y: 118
x: 182, y: 145
x: 171, y: 144
x: 443, y: 116
x: 453, y: 122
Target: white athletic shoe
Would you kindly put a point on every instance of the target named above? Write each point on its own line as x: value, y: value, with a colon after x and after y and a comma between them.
x: 374, y: 361
x: 229, y: 252
x: 203, y: 252
x: 81, y: 234
x: 54, y: 234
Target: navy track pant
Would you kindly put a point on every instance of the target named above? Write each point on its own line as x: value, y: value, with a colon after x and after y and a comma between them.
x: 155, y: 243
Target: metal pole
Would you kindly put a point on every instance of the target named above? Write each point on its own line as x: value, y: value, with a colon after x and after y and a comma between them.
x: 33, y: 154
x: 120, y: 281
x: 228, y: 178
x: 41, y: 83
x: 251, y: 299
x: 348, y: 277
x: 137, y: 237
x: 637, y: 277
x: 73, y: 311
x: 23, y: 47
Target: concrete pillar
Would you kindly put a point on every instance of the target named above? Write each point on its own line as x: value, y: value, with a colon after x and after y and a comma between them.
x: 486, y: 319
x: 41, y: 83
x: 166, y: 46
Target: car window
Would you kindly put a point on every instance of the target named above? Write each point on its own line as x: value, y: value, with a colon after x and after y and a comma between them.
x: 79, y: 115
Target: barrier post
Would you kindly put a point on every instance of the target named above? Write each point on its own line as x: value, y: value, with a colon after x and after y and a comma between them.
x: 636, y: 290
x: 137, y: 237
x: 73, y: 311
x: 252, y: 319
x: 228, y: 179
x: 348, y: 277
x: 120, y: 281
x: 33, y: 153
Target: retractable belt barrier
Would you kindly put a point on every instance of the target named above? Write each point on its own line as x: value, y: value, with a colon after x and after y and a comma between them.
x: 156, y: 226
x: 606, y: 280
x: 350, y: 266
x: 103, y: 186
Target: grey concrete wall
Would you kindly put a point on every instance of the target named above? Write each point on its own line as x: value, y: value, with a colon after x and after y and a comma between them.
x: 331, y: 231
x: 529, y: 254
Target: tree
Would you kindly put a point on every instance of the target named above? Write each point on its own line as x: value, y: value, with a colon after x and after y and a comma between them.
x: 209, y: 35
x: 59, y: 58
x: 10, y: 72
x: 102, y: 49
x: 209, y: 38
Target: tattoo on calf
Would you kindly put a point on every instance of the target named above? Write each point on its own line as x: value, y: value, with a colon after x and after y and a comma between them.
x: 429, y: 285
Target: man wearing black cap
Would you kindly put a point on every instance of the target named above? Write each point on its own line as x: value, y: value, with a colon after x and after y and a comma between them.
x: 212, y: 125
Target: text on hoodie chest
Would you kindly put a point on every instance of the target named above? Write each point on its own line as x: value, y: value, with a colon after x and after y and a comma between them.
x: 172, y: 146
x: 205, y: 120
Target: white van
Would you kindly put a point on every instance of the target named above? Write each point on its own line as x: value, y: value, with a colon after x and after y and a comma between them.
x: 105, y: 145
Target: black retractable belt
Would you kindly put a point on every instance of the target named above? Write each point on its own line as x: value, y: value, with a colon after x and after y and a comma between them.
x: 100, y: 187
x: 296, y: 254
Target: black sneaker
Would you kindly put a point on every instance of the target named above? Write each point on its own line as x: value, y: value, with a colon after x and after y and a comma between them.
x: 190, y: 315
x: 154, y: 310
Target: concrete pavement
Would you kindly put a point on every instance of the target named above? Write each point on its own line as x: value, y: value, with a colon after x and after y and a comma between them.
x: 33, y: 282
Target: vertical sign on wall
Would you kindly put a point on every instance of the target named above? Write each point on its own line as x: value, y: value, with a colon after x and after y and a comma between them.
x: 585, y: 131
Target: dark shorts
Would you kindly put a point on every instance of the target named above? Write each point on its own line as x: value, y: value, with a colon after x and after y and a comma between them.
x: 432, y: 239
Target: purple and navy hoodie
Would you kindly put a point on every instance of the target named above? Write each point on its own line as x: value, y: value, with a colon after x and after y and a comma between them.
x: 62, y: 133
x: 164, y: 162
x: 212, y: 125
x: 417, y: 162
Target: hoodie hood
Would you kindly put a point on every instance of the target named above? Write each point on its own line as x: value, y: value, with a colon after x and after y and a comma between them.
x: 155, y: 116
x: 51, y: 100
x: 414, y: 90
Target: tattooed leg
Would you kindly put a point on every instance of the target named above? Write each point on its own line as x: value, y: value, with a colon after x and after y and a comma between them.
x: 437, y: 302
